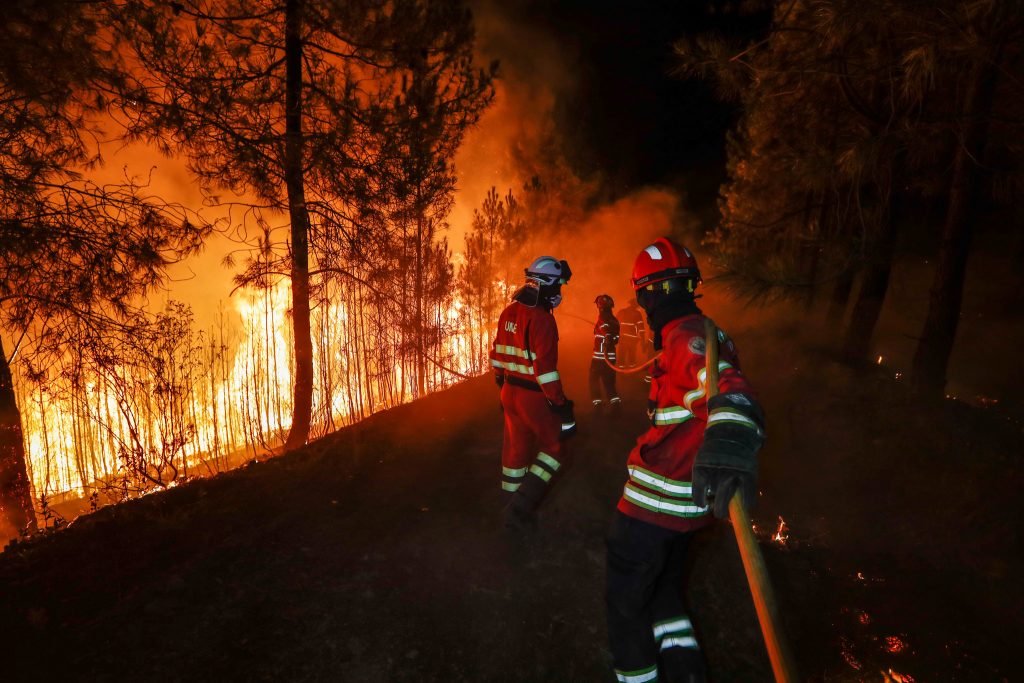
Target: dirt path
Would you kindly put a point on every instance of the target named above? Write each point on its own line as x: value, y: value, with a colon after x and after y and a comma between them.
x: 377, y: 554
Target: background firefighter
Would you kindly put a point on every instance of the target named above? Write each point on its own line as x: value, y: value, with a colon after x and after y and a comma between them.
x: 537, y: 413
x: 606, y: 337
x: 632, y: 347
x: 712, y: 444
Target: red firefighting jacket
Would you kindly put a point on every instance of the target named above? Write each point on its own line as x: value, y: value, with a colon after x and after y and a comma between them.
x: 632, y: 323
x: 661, y: 464
x: 606, y: 335
x: 526, y: 348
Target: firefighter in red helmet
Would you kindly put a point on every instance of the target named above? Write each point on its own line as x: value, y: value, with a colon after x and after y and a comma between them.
x: 687, y: 465
x: 606, y: 338
x: 538, y: 416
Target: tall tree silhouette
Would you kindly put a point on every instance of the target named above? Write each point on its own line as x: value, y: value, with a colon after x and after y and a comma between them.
x: 291, y: 104
x: 847, y: 118
x: 75, y: 257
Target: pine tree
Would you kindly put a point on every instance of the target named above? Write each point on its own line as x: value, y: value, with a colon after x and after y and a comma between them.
x: 75, y: 257
x: 294, y: 107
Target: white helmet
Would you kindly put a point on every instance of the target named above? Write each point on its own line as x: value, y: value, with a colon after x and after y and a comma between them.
x: 547, y: 270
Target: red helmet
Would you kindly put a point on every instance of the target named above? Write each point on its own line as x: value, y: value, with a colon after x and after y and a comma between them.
x: 663, y: 260
x: 604, y: 301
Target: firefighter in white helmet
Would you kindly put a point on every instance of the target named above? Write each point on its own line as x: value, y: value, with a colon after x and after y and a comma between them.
x: 538, y: 416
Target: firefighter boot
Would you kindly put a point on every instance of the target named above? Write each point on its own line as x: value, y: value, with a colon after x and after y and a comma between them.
x: 521, y: 512
x: 616, y: 406
x: 682, y: 665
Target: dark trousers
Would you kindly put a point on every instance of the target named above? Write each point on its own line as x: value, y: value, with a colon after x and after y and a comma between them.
x: 602, y: 375
x: 629, y: 351
x: 648, y: 628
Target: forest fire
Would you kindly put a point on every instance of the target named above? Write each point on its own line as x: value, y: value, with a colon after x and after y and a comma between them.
x: 253, y: 255
x: 190, y: 403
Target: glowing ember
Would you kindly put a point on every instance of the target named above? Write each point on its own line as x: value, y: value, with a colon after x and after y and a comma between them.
x: 781, y: 533
x: 893, y: 677
x: 879, y: 360
x: 895, y: 644
x: 864, y: 618
x: 846, y: 650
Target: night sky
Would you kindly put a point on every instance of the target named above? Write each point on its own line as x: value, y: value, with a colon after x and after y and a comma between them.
x: 630, y: 120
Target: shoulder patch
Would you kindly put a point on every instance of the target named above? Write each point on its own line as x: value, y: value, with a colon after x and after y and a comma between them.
x: 697, y: 345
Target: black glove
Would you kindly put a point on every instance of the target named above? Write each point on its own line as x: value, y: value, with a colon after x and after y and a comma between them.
x: 727, y: 460
x: 567, y: 417
x: 499, y: 379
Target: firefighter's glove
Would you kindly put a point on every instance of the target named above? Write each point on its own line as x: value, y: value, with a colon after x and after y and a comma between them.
x: 566, y: 417
x: 499, y: 379
x: 727, y: 460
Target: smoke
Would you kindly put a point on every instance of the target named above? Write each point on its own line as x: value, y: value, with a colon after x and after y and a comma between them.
x: 519, y: 141
x: 202, y: 282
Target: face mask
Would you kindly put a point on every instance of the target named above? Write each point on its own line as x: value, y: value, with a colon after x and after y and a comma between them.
x: 555, y: 300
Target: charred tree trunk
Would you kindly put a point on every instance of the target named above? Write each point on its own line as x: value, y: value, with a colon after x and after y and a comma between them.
x: 874, y: 286
x: 840, y: 298
x: 931, y: 358
x: 15, y: 492
x: 302, y: 398
x: 815, y: 245
x: 421, y: 369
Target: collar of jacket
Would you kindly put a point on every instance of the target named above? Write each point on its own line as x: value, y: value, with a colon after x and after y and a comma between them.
x: 529, y: 295
x: 664, y: 316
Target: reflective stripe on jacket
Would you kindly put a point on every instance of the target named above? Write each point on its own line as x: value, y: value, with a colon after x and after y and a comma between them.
x: 660, y: 466
x: 606, y: 336
x: 526, y: 347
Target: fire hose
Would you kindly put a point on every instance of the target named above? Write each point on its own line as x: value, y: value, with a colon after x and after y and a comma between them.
x: 621, y: 371
x: 753, y: 561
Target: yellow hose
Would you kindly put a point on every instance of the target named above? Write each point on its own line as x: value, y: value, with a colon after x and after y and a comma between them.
x: 753, y: 561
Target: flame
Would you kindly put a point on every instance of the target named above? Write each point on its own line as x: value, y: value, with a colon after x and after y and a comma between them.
x: 226, y: 396
x: 781, y: 533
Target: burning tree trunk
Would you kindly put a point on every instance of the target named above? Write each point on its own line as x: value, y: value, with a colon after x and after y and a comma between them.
x: 302, y: 401
x: 15, y: 492
x: 936, y: 344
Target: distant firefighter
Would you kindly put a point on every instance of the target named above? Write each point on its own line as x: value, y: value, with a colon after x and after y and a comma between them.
x: 632, y: 335
x: 711, y: 443
x: 537, y: 413
x: 606, y: 337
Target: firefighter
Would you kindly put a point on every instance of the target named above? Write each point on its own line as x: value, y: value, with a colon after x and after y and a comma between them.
x: 712, y: 444
x: 606, y: 337
x: 538, y: 416
x: 633, y: 335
